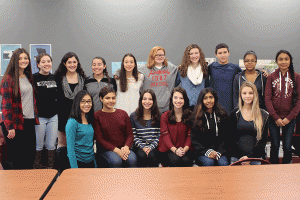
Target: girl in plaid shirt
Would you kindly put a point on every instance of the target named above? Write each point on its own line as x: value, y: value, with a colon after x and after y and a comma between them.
x: 19, y: 110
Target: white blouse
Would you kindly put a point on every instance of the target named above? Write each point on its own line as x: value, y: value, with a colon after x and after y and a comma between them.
x: 129, y: 100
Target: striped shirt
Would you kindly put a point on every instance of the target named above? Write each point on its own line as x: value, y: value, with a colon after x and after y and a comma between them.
x: 144, y: 136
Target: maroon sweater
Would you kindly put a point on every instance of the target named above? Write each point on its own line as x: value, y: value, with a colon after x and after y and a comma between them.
x: 173, y: 135
x: 113, y: 129
x: 279, y: 100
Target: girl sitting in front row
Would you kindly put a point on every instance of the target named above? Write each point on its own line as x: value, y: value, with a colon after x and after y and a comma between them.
x: 175, y: 139
x: 113, y: 132
x: 80, y: 132
x: 146, y: 130
x: 249, y: 126
x: 209, y: 132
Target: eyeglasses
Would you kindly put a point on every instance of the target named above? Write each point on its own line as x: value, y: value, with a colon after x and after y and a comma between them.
x: 88, y: 102
x: 249, y: 61
x: 159, y: 55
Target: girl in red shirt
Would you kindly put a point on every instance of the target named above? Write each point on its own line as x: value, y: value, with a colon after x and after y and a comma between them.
x: 175, y: 139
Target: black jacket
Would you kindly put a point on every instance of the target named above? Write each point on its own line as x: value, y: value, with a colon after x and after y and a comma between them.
x: 260, y: 83
x: 204, y: 139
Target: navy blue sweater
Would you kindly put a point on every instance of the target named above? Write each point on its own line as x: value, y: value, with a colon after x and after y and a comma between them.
x: 221, y: 80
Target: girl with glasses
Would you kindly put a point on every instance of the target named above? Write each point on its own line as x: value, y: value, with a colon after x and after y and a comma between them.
x: 80, y: 132
x: 250, y: 74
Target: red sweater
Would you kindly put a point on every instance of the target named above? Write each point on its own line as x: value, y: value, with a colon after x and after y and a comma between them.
x: 113, y: 129
x: 279, y: 100
x: 173, y: 135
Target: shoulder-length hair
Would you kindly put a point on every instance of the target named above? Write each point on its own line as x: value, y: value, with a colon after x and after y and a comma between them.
x: 62, y: 69
x: 185, y: 108
x: 105, y: 90
x: 76, y: 111
x: 122, y: 78
x: 291, y: 72
x: 12, y: 70
x: 256, y: 113
x: 105, y: 69
x: 200, y: 108
x: 155, y: 114
x: 186, y: 61
x: 151, y: 58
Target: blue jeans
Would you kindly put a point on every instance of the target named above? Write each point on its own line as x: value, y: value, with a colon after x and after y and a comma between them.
x: 287, y: 134
x: 115, y: 161
x: 46, y: 133
x: 235, y: 159
x: 206, y: 161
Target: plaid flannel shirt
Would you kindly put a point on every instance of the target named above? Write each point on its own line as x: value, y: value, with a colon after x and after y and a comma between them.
x: 11, y: 106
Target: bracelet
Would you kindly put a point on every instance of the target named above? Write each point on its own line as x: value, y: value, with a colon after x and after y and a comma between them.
x: 175, y: 151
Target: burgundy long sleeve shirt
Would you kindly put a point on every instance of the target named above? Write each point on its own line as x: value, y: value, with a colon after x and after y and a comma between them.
x: 113, y: 129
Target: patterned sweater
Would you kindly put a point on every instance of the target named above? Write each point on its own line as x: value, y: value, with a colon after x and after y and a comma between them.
x: 144, y: 135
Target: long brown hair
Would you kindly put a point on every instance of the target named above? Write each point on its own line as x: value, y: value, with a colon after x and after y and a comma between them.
x: 122, y: 78
x: 186, y: 61
x: 13, y: 70
x: 256, y: 113
x: 186, y: 113
x: 155, y: 114
x: 200, y: 109
x: 151, y: 58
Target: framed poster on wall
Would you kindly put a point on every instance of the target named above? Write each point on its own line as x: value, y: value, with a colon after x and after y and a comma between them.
x: 6, y: 52
x: 35, y: 50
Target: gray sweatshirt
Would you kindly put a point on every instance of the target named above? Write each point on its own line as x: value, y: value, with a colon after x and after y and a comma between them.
x: 161, y: 81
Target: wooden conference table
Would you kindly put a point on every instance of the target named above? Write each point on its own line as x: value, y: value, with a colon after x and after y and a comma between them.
x: 25, y: 184
x: 230, y: 182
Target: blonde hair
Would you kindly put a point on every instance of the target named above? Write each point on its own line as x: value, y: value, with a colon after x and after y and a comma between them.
x: 256, y: 113
x: 151, y: 58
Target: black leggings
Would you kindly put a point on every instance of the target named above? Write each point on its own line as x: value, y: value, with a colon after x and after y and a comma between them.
x: 21, y: 149
x: 172, y: 160
x: 85, y: 165
x: 143, y: 160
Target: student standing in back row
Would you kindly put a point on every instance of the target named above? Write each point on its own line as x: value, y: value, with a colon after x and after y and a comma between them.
x: 193, y: 73
x: 46, y: 98
x: 19, y: 110
x: 283, y: 103
x: 70, y: 80
x: 98, y: 80
x: 129, y: 84
x: 221, y: 76
x: 250, y: 74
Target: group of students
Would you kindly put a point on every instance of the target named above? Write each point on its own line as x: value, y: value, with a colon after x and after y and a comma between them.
x: 149, y: 114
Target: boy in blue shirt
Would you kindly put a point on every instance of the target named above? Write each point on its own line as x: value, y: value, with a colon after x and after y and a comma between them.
x: 221, y: 76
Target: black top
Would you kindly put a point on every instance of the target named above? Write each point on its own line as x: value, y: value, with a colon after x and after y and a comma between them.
x: 64, y: 104
x: 46, y: 97
x: 243, y: 136
x: 73, y: 86
x: 246, y: 140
